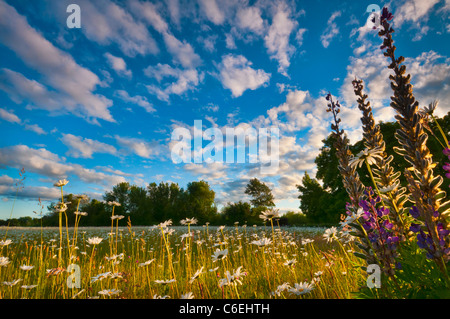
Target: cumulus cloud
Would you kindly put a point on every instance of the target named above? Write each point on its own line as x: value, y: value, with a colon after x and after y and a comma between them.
x: 212, y: 11
x: 118, y: 64
x: 237, y: 75
x: 85, y: 147
x: 8, y: 189
x: 106, y: 23
x: 249, y: 18
x: 137, y: 99
x: 139, y: 146
x: 75, y: 84
x: 176, y: 81
x: 46, y: 163
x: 277, y: 38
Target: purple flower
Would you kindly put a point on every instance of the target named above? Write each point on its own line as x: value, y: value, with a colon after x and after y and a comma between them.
x: 414, y: 228
x: 414, y: 211
x: 386, y: 15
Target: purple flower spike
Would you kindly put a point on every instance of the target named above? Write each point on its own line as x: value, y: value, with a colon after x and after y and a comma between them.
x: 386, y: 15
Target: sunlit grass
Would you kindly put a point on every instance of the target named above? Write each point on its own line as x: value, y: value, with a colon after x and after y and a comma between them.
x: 175, y: 262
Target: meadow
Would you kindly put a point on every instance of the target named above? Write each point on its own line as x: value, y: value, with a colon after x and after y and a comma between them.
x: 199, y: 262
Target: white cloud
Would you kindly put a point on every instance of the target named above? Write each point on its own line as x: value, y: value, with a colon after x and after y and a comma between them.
x: 182, y: 80
x: 9, y: 190
x: 140, y: 147
x: 182, y: 52
x: 414, y: 11
x: 46, y: 163
x: 237, y: 75
x: 212, y: 11
x: 118, y: 64
x: 35, y: 128
x: 85, y: 147
x: 57, y: 68
x: 137, y: 99
x: 9, y: 116
x: 277, y: 38
x: 249, y: 18
x: 331, y: 31
x: 105, y: 22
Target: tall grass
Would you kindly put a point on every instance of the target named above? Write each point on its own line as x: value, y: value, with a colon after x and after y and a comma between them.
x: 177, y: 262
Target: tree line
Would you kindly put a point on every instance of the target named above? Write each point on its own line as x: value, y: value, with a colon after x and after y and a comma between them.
x: 322, y: 199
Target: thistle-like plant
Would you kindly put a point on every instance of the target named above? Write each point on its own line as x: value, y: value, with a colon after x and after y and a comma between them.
x: 424, y: 186
x: 411, y: 135
x: 350, y: 179
x: 384, y: 176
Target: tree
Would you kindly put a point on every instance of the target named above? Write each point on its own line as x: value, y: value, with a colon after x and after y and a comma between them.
x: 237, y: 212
x: 260, y: 193
x: 317, y: 204
x: 200, y: 201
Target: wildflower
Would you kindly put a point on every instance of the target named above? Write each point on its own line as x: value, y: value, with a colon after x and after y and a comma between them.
x: 5, y: 242
x: 148, y: 262
x: 330, y: 234
x: 369, y: 155
x: 213, y: 269
x: 307, y: 241
x: 61, y: 183
x: 188, y: 295
x: 26, y: 268
x: 155, y: 296
x: 318, y: 274
x: 54, y: 271
x: 165, y: 224
x: 109, y: 292
x: 80, y: 213
x: 196, y: 275
x: 95, y: 240
x: 262, y: 242
x: 4, y: 261
x: 290, y: 262
x: 189, y: 221
x: 12, y: 283
x: 28, y: 286
x: 269, y: 214
x: 165, y: 282
x: 232, y: 279
x: 187, y: 235
x: 62, y: 207
x: 301, y: 288
x: 281, y: 288
x: 101, y: 276
x: 113, y: 203
x: 219, y: 254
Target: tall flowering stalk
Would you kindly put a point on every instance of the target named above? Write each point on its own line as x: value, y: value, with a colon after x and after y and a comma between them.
x: 387, y: 180
x: 350, y: 177
x: 411, y: 135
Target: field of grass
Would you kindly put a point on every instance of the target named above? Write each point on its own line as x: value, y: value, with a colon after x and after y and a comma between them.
x: 162, y: 261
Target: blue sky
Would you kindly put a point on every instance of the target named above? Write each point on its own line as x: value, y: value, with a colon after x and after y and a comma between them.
x: 97, y: 105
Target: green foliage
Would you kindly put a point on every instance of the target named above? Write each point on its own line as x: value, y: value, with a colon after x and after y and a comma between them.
x: 261, y: 194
